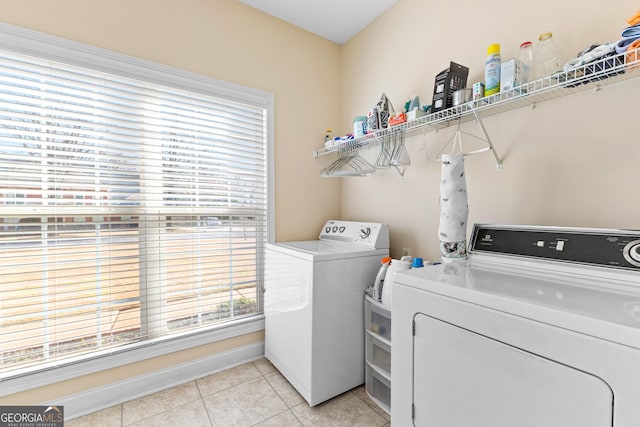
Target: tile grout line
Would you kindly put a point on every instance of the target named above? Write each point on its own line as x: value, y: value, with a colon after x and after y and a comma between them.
x: 375, y: 408
x: 228, y: 388
x: 167, y: 410
x: 202, y: 396
x: 204, y: 404
x: 278, y: 394
x: 294, y: 414
x: 264, y: 377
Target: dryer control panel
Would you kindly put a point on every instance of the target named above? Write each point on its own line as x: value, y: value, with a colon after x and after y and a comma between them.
x: 370, y: 234
x: 601, y: 247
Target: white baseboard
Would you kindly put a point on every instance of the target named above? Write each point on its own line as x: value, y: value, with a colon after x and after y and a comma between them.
x: 113, y: 394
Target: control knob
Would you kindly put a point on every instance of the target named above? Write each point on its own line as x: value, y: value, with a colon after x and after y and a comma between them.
x: 631, y: 253
x: 365, y: 232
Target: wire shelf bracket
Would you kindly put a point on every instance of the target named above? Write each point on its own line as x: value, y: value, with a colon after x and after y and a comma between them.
x: 456, y: 140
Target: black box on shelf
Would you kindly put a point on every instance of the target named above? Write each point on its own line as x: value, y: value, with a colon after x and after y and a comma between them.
x: 448, y: 81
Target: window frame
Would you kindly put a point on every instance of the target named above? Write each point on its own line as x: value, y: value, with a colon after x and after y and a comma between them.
x: 28, y: 42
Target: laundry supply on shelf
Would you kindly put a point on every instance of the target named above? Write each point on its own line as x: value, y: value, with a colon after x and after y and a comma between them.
x: 633, y: 54
x: 590, y: 54
x: 633, y: 31
x: 601, y: 57
x: 629, y: 36
x: 359, y: 126
x: 623, y: 44
x: 338, y: 140
x: 631, y: 39
x: 446, y: 83
x: 477, y: 91
x: 526, y: 57
x: 492, y: 67
x: 510, y: 74
x: 548, y: 56
x: 378, y: 116
x: 397, y: 118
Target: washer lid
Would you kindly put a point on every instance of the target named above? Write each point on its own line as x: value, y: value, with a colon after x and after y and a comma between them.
x: 608, y: 309
x: 324, y: 250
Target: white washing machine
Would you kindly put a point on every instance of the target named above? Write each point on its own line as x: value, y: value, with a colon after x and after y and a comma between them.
x: 539, y: 328
x: 313, y: 304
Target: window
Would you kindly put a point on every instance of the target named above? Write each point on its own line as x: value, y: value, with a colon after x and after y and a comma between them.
x: 134, y: 204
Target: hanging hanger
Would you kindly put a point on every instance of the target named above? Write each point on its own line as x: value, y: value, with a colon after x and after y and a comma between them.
x: 384, y: 158
x: 457, y: 141
x: 350, y: 163
x: 400, y: 156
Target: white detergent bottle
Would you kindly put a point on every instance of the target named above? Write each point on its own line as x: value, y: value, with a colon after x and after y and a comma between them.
x: 395, y: 266
x: 377, y: 284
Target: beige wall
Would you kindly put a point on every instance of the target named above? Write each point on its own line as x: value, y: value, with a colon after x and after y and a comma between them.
x: 230, y: 41
x: 570, y: 162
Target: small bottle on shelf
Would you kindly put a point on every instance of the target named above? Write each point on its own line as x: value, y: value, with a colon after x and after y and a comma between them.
x: 328, y: 135
x: 526, y: 61
x: 492, y: 70
x: 548, y: 56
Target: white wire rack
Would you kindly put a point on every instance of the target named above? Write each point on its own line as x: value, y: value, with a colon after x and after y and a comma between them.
x: 594, y: 75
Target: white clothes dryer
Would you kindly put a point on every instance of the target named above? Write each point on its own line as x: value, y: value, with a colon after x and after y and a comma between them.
x: 313, y: 304
x: 539, y: 328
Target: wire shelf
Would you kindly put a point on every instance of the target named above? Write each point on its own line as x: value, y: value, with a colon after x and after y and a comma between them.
x: 594, y: 75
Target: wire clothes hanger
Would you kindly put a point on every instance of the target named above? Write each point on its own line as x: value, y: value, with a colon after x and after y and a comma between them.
x: 350, y: 163
x: 393, y: 153
x: 456, y: 141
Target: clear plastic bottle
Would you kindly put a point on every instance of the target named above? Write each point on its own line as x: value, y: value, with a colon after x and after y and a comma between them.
x: 548, y: 56
x: 327, y: 135
x: 492, y: 70
x: 527, y: 62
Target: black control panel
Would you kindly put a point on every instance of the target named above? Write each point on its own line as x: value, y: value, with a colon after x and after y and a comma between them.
x: 607, y: 248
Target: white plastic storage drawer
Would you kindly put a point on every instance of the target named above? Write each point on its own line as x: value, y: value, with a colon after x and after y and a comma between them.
x: 377, y: 319
x: 378, y: 353
x: 378, y: 388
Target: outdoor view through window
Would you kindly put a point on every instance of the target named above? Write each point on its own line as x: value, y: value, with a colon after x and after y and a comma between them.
x: 129, y: 210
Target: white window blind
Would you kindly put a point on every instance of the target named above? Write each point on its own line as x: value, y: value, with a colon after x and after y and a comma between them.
x: 129, y: 210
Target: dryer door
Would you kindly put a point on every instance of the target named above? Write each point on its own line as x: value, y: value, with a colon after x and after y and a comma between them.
x: 465, y: 379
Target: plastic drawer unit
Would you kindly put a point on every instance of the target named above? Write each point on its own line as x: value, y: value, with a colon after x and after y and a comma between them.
x: 378, y: 353
x: 377, y: 319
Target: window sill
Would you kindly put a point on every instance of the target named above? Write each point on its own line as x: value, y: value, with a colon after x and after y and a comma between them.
x: 22, y: 381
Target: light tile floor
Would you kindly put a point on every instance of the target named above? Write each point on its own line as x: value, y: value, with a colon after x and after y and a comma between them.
x: 253, y: 394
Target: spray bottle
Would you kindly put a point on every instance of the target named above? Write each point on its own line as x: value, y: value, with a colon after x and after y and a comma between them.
x: 492, y: 70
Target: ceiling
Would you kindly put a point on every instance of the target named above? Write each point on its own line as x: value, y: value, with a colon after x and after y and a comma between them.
x: 335, y: 20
